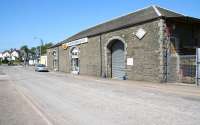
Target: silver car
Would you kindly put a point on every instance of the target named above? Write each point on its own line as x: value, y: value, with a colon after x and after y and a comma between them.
x: 41, y: 68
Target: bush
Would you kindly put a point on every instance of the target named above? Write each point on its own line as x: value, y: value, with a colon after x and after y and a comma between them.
x: 5, y: 61
x: 17, y: 61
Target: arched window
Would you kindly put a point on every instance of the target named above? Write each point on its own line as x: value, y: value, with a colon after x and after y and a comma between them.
x: 75, y: 60
x: 75, y: 52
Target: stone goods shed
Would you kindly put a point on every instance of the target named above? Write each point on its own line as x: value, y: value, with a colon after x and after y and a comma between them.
x: 146, y: 45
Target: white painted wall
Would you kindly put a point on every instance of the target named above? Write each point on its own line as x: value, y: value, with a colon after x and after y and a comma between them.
x: 6, y: 54
x: 15, y: 54
x: 43, y: 60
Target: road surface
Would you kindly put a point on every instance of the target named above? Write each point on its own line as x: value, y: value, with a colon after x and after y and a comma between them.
x: 48, y: 98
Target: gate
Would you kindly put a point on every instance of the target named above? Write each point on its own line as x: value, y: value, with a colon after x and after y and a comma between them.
x: 187, y: 71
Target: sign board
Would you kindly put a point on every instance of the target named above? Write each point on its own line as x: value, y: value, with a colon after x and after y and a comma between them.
x: 129, y: 61
x: 77, y: 42
x: 140, y: 33
x: 74, y: 56
x: 64, y: 46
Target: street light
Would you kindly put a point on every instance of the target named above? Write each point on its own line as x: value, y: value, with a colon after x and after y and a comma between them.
x: 41, y: 42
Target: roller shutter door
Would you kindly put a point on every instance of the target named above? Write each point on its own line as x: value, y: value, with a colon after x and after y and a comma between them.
x: 118, y: 63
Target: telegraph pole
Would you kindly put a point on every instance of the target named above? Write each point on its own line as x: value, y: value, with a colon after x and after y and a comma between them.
x: 41, y: 44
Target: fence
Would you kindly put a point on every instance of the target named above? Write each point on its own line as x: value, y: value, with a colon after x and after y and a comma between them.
x: 187, y: 71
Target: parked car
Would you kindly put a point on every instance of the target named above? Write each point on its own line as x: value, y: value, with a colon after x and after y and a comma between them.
x: 41, y: 68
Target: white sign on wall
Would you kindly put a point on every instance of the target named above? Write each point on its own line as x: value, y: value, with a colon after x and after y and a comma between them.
x: 140, y: 33
x: 129, y: 61
x: 77, y: 42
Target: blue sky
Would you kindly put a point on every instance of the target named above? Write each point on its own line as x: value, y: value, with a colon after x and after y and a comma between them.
x: 55, y: 20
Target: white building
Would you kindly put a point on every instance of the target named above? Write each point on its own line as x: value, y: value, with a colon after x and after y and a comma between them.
x: 5, y: 54
x: 43, y: 60
x: 14, y: 55
x: 1, y: 56
x: 10, y: 55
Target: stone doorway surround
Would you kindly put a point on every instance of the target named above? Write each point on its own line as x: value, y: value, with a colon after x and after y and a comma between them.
x: 107, y: 50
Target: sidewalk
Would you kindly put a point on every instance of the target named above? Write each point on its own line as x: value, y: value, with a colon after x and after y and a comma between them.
x: 173, y: 88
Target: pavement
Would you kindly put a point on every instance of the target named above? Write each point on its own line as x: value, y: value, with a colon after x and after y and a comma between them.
x: 54, y: 98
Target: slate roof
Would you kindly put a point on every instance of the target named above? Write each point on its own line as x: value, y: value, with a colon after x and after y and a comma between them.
x: 56, y: 45
x: 141, y: 16
x: 14, y: 50
x: 11, y: 51
x: 5, y: 51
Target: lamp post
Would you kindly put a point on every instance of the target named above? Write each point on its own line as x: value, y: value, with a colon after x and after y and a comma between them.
x: 41, y: 44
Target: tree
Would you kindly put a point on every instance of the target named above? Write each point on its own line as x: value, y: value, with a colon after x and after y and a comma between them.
x: 45, y: 47
x: 34, y: 52
x: 24, y: 50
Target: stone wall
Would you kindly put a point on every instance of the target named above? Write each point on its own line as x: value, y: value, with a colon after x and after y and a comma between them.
x: 51, y: 58
x: 64, y: 62
x: 153, y: 60
x: 145, y: 52
x: 90, y: 57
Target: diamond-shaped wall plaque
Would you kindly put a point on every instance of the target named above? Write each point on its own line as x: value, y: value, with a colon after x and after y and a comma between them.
x: 140, y: 33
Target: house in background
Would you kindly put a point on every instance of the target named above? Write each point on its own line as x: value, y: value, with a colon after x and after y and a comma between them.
x: 1, y: 55
x: 32, y: 62
x: 14, y: 54
x: 6, y: 55
x: 153, y: 44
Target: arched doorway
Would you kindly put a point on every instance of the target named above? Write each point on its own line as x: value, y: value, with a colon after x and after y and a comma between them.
x: 116, y: 59
x: 74, y: 60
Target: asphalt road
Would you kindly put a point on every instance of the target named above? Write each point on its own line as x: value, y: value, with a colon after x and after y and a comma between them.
x: 14, y: 109
x: 28, y: 97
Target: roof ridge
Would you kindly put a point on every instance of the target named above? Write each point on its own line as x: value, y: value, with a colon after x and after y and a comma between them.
x: 156, y: 10
x: 169, y: 10
x: 123, y: 15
